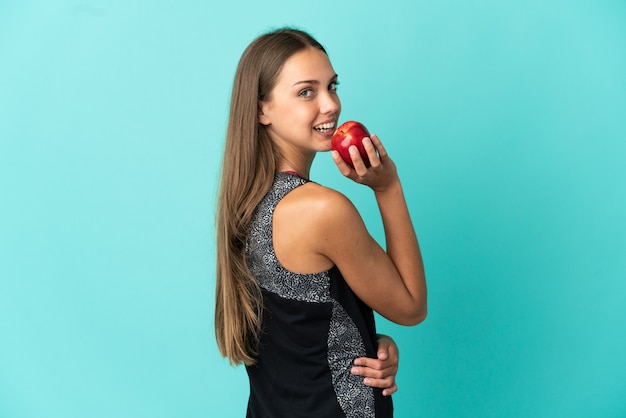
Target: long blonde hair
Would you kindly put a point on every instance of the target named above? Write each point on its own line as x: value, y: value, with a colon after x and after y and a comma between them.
x: 248, y: 167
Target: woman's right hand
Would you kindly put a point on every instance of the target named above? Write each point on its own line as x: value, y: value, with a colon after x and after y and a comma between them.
x: 382, y: 171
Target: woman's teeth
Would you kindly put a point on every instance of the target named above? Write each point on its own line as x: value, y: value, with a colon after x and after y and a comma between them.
x: 325, y: 127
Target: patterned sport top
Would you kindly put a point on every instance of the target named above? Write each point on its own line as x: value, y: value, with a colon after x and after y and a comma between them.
x: 314, y: 327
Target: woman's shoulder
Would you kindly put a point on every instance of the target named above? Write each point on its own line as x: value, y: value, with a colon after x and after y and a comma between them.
x: 308, y: 222
x: 314, y: 201
x: 315, y: 193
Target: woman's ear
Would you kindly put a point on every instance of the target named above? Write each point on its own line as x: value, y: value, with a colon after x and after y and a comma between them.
x: 263, y: 118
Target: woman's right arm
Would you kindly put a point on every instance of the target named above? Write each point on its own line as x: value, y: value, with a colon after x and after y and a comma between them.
x: 391, y: 282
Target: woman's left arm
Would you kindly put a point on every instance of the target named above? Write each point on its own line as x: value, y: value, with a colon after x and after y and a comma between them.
x: 380, y: 372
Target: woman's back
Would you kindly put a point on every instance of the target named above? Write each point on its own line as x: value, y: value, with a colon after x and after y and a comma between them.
x: 314, y: 327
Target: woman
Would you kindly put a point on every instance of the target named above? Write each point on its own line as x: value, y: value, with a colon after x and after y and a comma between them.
x: 298, y: 275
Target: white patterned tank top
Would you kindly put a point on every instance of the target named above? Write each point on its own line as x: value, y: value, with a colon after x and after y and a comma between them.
x: 314, y: 327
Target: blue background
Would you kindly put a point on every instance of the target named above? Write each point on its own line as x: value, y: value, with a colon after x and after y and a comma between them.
x: 507, y: 120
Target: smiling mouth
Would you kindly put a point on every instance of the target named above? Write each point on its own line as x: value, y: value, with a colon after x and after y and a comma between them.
x: 325, y: 127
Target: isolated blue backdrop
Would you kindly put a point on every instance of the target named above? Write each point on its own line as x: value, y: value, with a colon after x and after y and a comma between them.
x: 507, y: 122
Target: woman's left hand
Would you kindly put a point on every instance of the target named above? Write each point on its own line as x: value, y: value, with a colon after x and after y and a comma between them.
x: 380, y: 372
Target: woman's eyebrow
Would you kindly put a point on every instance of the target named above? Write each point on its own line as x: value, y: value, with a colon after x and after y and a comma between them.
x: 306, y: 82
x: 333, y: 78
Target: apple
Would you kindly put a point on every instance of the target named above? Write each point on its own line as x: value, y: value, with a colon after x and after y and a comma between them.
x: 348, y: 134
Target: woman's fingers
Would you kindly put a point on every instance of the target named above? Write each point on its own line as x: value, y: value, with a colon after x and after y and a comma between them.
x: 391, y: 390
x: 343, y: 167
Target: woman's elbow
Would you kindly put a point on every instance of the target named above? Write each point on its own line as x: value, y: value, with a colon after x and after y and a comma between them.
x: 414, y: 317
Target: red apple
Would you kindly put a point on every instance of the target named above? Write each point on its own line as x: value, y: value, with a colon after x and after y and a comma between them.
x: 350, y: 133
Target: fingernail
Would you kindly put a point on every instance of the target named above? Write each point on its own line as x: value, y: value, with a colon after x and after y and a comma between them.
x: 366, y: 141
x: 367, y: 381
x: 354, y: 370
x: 357, y: 362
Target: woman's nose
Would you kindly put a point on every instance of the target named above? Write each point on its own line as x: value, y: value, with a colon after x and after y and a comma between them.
x: 330, y: 103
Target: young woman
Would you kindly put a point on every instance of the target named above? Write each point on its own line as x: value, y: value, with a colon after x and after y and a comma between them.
x: 298, y: 275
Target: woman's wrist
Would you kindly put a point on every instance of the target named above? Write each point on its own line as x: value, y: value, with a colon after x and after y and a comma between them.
x: 394, y: 187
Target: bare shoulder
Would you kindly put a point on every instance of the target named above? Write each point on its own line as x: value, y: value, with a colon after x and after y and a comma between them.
x: 318, y: 203
x: 324, y: 215
x: 307, y: 223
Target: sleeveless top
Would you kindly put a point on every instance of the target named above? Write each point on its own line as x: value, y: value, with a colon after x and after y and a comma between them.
x: 314, y: 327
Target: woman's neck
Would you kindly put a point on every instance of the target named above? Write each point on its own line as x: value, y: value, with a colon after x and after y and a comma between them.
x: 298, y: 166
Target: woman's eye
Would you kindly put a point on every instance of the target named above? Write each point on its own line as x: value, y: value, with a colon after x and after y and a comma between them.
x: 306, y: 93
x: 333, y: 86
